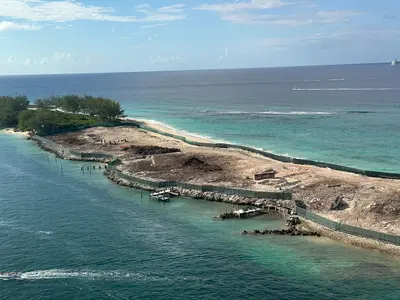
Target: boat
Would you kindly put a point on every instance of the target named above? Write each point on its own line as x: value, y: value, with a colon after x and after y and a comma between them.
x: 10, y: 275
x: 161, y: 196
x: 395, y: 62
x: 247, y: 212
x: 164, y: 195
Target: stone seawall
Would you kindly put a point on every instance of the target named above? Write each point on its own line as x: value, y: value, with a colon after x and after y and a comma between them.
x: 209, y: 196
x: 62, y: 152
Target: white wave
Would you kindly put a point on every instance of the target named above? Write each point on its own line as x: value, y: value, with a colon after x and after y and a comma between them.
x: 276, y: 113
x: 335, y: 79
x: 184, y: 132
x: 44, y: 232
x: 178, y: 131
x: 322, y: 80
x: 347, y: 89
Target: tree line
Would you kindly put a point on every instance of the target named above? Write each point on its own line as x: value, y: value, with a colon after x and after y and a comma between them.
x: 56, y: 114
x: 104, y: 108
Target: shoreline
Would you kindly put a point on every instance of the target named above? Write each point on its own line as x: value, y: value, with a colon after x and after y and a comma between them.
x: 193, y: 139
x: 356, y: 241
x: 169, y: 129
x: 353, y: 240
x: 13, y: 132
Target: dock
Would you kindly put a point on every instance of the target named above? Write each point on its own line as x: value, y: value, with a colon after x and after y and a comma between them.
x: 248, y: 212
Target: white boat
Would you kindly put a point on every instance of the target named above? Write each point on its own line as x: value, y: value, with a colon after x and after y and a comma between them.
x: 10, y: 275
x: 395, y: 62
x: 247, y: 212
x: 161, y: 196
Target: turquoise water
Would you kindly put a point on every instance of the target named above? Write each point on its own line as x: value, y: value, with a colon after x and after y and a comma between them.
x: 78, y: 236
x: 346, y: 115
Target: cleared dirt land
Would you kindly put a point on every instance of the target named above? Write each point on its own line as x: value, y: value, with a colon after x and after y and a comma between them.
x: 370, y: 203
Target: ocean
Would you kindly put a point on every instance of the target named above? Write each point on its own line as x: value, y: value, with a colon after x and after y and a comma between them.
x: 348, y: 115
x: 79, y: 236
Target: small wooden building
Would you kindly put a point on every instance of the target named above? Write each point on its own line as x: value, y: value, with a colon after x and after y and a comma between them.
x: 265, y: 175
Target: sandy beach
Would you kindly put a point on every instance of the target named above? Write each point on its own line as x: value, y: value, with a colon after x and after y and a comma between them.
x: 13, y: 131
x: 168, y: 129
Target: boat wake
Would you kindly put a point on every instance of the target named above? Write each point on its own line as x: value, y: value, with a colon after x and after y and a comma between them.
x: 117, y: 275
x: 347, y: 89
x: 87, y: 274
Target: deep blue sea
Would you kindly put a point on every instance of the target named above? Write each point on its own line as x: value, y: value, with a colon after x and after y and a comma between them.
x: 347, y: 115
x: 79, y: 236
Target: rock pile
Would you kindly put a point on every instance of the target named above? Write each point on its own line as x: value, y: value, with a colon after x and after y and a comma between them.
x: 210, y: 196
x: 199, y: 164
x: 290, y: 231
x: 150, y: 150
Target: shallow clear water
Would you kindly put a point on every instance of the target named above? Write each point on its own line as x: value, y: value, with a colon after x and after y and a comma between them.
x: 79, y: 236
x: 347, y: 115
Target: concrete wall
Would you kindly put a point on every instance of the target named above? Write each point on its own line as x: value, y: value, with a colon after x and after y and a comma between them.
x: 380, y: 236
x: 280, y: 158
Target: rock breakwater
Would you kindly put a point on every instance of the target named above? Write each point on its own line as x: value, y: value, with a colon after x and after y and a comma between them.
x: 62, y: 152
x: 210, y: 196
x: 290, y: 231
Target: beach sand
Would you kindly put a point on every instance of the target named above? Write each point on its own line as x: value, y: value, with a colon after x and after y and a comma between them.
x: 168, y: 129
x: 13, y: 131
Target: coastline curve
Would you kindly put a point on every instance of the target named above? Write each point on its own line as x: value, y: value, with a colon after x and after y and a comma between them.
x: 281, y: 158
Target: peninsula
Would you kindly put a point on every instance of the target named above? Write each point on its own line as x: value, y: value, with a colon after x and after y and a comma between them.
x: 97, y: 125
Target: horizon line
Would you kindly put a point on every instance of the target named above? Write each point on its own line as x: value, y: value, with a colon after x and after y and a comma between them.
x: 191, y: 70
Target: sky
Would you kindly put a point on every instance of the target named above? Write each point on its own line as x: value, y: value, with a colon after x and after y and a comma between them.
x: 95, y: 36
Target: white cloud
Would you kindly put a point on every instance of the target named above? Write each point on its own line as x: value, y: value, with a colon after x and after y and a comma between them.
x: 255, y: 19
x: 290, y: 20
x: 161, y: 14
x: 9, y: 60
x: 164, y: 59
x: 337, y: 16
x: 154, y: 25
x: 244, y: 5
x: 143, y: 8
x: 4, y: 25
x: 251, y: 13
x: 44, y: 60
x: 225, y: 56
x: 29, y: 62
x: 72, y: 10
x: 62, y: 56
x: 176, y: 8
x: 333, y: 38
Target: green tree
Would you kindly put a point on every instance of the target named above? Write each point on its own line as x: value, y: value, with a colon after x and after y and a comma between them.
x: 10, y: 109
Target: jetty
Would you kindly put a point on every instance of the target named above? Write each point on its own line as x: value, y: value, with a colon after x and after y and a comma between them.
x: 292, y: 231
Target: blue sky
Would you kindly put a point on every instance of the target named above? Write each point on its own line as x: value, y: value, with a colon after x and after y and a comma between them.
x: 69, y: 36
